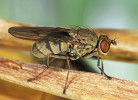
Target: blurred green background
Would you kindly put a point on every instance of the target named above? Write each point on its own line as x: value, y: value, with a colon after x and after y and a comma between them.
x: 120, y: 14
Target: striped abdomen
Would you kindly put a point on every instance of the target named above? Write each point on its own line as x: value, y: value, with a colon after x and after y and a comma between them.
x: 41, y: 49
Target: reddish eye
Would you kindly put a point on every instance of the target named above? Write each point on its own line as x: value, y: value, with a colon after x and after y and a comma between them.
x: 104, y: 45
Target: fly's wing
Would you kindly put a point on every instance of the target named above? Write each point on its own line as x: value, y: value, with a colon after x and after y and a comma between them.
x: 39, y: 33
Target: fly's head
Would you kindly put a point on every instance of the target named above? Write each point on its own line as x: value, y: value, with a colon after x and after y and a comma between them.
x: 104, y: 43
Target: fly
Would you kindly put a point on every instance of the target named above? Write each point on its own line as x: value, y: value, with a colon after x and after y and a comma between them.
x: 64, y: 43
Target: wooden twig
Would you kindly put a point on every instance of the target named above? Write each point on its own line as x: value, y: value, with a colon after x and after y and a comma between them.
x: 126, y: 50
x: 8, y: 41
x: 81, y: 85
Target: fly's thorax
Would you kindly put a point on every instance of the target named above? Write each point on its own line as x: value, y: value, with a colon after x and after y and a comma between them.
x: 79, y: 51
x: 87, y: 38
x: 85, y: 42
x: 42, y: 48
x: 103, y: 45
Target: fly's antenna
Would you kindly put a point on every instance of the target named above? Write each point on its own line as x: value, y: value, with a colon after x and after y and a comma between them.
x: 114, y: 42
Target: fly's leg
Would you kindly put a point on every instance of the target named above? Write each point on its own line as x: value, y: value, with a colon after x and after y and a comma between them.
x: 102, y: 72
x: 98, y: 64
x: 101, y: 68
x: 92, y: 55
x: 68, y: 65
x: 31, y: 79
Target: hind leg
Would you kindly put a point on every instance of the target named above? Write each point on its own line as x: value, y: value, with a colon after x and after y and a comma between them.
x: 47, y: 64
x: 31, y: 79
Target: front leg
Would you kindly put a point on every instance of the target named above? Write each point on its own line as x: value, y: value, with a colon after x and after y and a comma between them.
x: 92, y: 55
x: 101, y: 68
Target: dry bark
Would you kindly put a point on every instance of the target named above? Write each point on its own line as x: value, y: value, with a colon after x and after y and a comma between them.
x: 81, y: 85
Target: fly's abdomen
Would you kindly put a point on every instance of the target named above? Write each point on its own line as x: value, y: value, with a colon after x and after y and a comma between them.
x: 42, y: 48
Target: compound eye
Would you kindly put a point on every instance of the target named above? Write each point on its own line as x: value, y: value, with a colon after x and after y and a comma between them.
x: 104, y: 45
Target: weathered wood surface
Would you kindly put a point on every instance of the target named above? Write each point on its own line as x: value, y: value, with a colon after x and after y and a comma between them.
x: 81, y: 85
